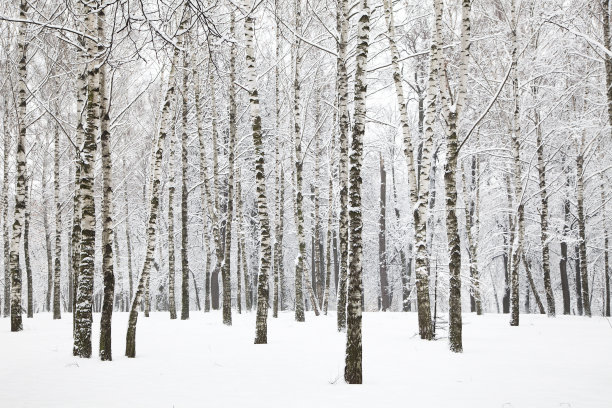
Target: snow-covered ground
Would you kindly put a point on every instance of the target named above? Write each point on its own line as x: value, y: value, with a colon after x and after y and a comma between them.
x: 561, y: 362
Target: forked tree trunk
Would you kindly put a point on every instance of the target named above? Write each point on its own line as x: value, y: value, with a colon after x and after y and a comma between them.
x: 352, y: 369
x: 261, y: 329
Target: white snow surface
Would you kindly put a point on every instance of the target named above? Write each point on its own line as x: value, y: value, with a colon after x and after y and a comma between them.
x: 545, y: 362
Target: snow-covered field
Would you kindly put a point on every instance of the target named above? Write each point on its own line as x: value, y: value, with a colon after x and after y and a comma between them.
x: 561, y: 362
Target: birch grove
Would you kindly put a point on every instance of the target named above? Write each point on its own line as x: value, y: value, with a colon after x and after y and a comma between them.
x: 318, y: 160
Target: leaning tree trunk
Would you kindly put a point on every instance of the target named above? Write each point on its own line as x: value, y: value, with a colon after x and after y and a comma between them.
x: 58, y: 229
x: 184, y: 192
x: 225, y: 272
x: 26, y: 252
x: 352, y: 370
x: 130, y: 347
x: 107, y: 208
x: 344, y: 124
x: 536, y: 295
x: 261, y: 336
x: 83, y: 319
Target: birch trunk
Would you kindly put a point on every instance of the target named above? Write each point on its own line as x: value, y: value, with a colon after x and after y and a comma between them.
x: 83, y: 319
x: 5, y: 219
x: 382, y: 238
x: 107, y: 206
x: 184, y: 192
x: 343, y: 113
x: 420, y: 212
x: 584, y: 277
x: 171, y: 249
x: 299, y: 161
x: 130, y: 348
x: 550, y: 298
x: 58, y: 229
x: 517, y: 247
x: 606, y: 270
x: 26, y: 252
x: 48, y: 244
x: 278, y: 239
x: 352, y: 370
x: 20, y: 187
x: 227, y: 286
x: 261, y: 336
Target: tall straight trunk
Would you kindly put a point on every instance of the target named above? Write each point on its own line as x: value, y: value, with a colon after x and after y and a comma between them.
x: 20, y: 185
x: 508, y: 242
x: 606, y: 270
x: 26, y: 252
x: 130, y: 347
x: 58, y: 229
x: 107, y: 206
x: 382, y: 238
x: 242, y: 263
x: 278, y: 239
x: 261, y: 336
x: 83, y: 319
x: 48, y: 244
x: 577, y: 262
x: 81, y: 94
x: 207, y: 202
x: 316, y: 242
x: 344, y: 125
x: 550, y: 298
x: 227, y: 286
x: 517, y: 249
x: 216, y: 191
x: 420, y: 211
x: 405, y: 264
x: 5, y: 219
x: 582, y: 226
x: 452, y: 115
x: 184, y: 192
x: 352, y: 369
x: 171, y: 250
x: 299, y: 162
x: 471, y: 226
x: 330, y: 224
x: 128, y: 243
